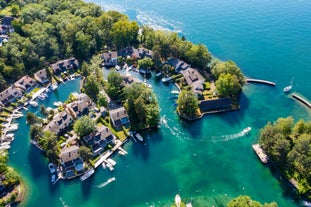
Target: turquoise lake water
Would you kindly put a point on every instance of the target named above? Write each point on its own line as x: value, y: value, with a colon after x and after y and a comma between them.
x: 207, y: 160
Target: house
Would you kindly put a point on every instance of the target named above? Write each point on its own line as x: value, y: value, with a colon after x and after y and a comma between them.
x: 110, y: 58
x: 72, y: 111
x: 119, y: 117
x: 6, y: 25
x: 25, y: 83
x: 60, y: 122
x: 9, y: 95
x: 71, y: 161
x: 129, y: 52
x: 215, y: 104
x: 178, y: 64
x: 64, y: 65
x: 99, y: 139
x: 143, y: 52
x: 41, y: 76
x: 3, y: 39
x: 194, y: 79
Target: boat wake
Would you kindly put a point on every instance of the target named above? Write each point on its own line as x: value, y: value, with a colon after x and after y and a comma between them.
x: 63, y: 202
x: 107, y: 182
x: 182, y: 136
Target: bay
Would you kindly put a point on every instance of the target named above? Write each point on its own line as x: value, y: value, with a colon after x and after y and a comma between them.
x: 207, y: 160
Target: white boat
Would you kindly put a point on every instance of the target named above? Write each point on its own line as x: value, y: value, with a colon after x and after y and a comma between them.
x: 5, y: 143
x: 41, y: 97
x: 111, y: 161
x: 5, y: 147
x: 104, y: 165
x: 306, y: 203
x: 54, y: 86
x: 289, y: 87
x: 107, y: 182
x: 164, y: 80
x: 246, y: 130
x: 8, y: 139
x: 51, y: 167
x: 109, y: 165
x: 12, y: 127
x: 177, y: 200
x: 57, y: 103
x: 158, y: 74
x: 175, y: 92
x: 139, y: 137
x: 33, y: 103
x: 53, y: 178
x: 10, y: 135
x: 17, y: 115
x: 87, y: 174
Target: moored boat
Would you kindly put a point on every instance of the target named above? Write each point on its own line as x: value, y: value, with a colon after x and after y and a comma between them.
x: 260, y: 153
x: 139, y: 137
x: 33, y: 103
x: 51, y: 167
x: 87, y: 174
x: 175, y: 92
x: 177, y: 200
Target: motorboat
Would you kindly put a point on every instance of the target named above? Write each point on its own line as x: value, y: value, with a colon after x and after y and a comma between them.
x: 54, y: 86
x: 53, y: 178
x: 12, y: 127
x: 177, y: 200
x: 51, y: 167
x: 139, y: 137
x: 87, y: 174
x: 33, y: 103
x: 246, y: 130
x: 175, y: 92
x: 57, y: 103
x: 111, y: 161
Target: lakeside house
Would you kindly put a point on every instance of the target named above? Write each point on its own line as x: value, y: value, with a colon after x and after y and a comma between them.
x: 119, y: 117
x: 41, y: 76
x: 3, y: 39
x: 215, y: 104
x: 99, y: 140
x: 60, y: 122
x: 194, y: 79
x: 178, y: 64
x: 110, y: 58
x: 26, y: 83
x: 63, y: 120
x: 135, y: 53
x: 71, y: 162
x: 64, y: 65
x: 9, y: 95
x: 6, y: 25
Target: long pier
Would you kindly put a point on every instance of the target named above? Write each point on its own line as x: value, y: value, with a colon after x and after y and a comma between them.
x: 302, y: 100
x: 251, y: 80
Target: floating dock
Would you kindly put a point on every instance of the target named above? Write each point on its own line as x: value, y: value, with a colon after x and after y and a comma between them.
x: 302, y: 100
x: 250, y: 80
x: 261, y: 153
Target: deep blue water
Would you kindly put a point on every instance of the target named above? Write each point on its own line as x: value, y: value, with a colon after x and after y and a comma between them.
x: 206, y: 160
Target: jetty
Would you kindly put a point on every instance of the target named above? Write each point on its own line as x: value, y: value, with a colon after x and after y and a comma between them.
x: 251, y: 80
x: 302, y: 100
x: 260, y: 153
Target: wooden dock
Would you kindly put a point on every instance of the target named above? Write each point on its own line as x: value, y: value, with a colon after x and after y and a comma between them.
x: 302, y: 100
x: 260, y: 153
x: 250, y: 80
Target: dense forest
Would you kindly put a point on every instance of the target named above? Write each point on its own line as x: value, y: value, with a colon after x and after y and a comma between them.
x: 288, y: 146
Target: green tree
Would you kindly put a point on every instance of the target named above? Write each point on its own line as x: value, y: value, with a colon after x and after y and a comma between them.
x: 145, y: 63
x: 31, y: 118
x: 228, y: 85
x: 84, y: 126
x: 113, y: 88
x: 102, y: 100
x: 141, y: 106
x: 43, y: 111
x: 85, y: 153
x: 124, y: 33
x: 218, y: 68
x: 91, y: 87
x: 36, y: 132
x: 48, y: 143
x: 198, y: 56
x: 187, y: 104
x: 246, y: 201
